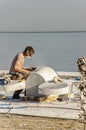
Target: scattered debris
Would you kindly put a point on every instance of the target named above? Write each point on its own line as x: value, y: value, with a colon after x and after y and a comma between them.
x: 3, y: 97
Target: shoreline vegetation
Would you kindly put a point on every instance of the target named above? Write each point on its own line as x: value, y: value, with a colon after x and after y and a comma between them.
x: 42, y: 31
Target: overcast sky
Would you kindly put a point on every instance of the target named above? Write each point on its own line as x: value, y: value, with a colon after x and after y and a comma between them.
x: 42, y: 15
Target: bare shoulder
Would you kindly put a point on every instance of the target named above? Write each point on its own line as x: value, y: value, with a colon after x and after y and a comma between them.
x: 20, y: 54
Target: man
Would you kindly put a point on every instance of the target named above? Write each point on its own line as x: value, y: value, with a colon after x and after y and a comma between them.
x: 17, y: 67
x: 18, y: 70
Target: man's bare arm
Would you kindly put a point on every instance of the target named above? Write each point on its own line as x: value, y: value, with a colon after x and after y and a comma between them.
x: 19, y: 66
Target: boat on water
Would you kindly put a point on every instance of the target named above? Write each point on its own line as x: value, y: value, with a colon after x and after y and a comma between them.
x: 50, y: 94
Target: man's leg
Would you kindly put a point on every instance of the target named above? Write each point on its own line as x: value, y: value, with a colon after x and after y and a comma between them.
x: 16, y: 94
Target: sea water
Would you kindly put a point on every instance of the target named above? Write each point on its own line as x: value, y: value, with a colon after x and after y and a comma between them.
x: 57, y: 50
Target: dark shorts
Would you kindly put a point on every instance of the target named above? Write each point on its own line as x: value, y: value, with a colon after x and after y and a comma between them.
x: 18, y: 73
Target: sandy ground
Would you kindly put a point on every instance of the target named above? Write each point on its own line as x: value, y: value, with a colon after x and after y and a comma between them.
x: 18, y: 122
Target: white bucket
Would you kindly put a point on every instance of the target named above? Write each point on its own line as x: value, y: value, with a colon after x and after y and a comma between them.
x: 16, y: 85
x: 51, y: 88
x: 38, y: 77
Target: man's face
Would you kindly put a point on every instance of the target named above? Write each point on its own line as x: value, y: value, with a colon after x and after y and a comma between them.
x: 29, y: 53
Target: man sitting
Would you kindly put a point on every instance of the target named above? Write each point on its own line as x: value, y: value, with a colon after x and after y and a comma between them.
x: 17, y: 69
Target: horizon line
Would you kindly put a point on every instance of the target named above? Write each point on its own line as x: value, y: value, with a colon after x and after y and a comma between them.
x: 41, y: 31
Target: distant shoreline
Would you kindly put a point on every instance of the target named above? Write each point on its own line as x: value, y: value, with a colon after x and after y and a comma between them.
x: 42, y: 31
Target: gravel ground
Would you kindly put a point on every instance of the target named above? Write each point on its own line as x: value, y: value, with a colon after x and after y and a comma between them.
x: 18, y: 122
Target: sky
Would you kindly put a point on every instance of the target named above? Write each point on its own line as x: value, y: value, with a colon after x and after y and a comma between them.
x: 42, y: 15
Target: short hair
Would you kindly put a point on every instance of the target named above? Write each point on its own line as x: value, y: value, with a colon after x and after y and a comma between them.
x: 30, y: 49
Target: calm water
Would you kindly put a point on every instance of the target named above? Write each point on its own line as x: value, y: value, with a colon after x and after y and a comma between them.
x: 57, y: 50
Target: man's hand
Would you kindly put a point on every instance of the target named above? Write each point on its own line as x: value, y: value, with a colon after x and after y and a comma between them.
x: 31, y: 69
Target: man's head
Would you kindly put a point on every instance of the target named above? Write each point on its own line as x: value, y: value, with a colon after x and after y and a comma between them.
x: 29, y: 51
